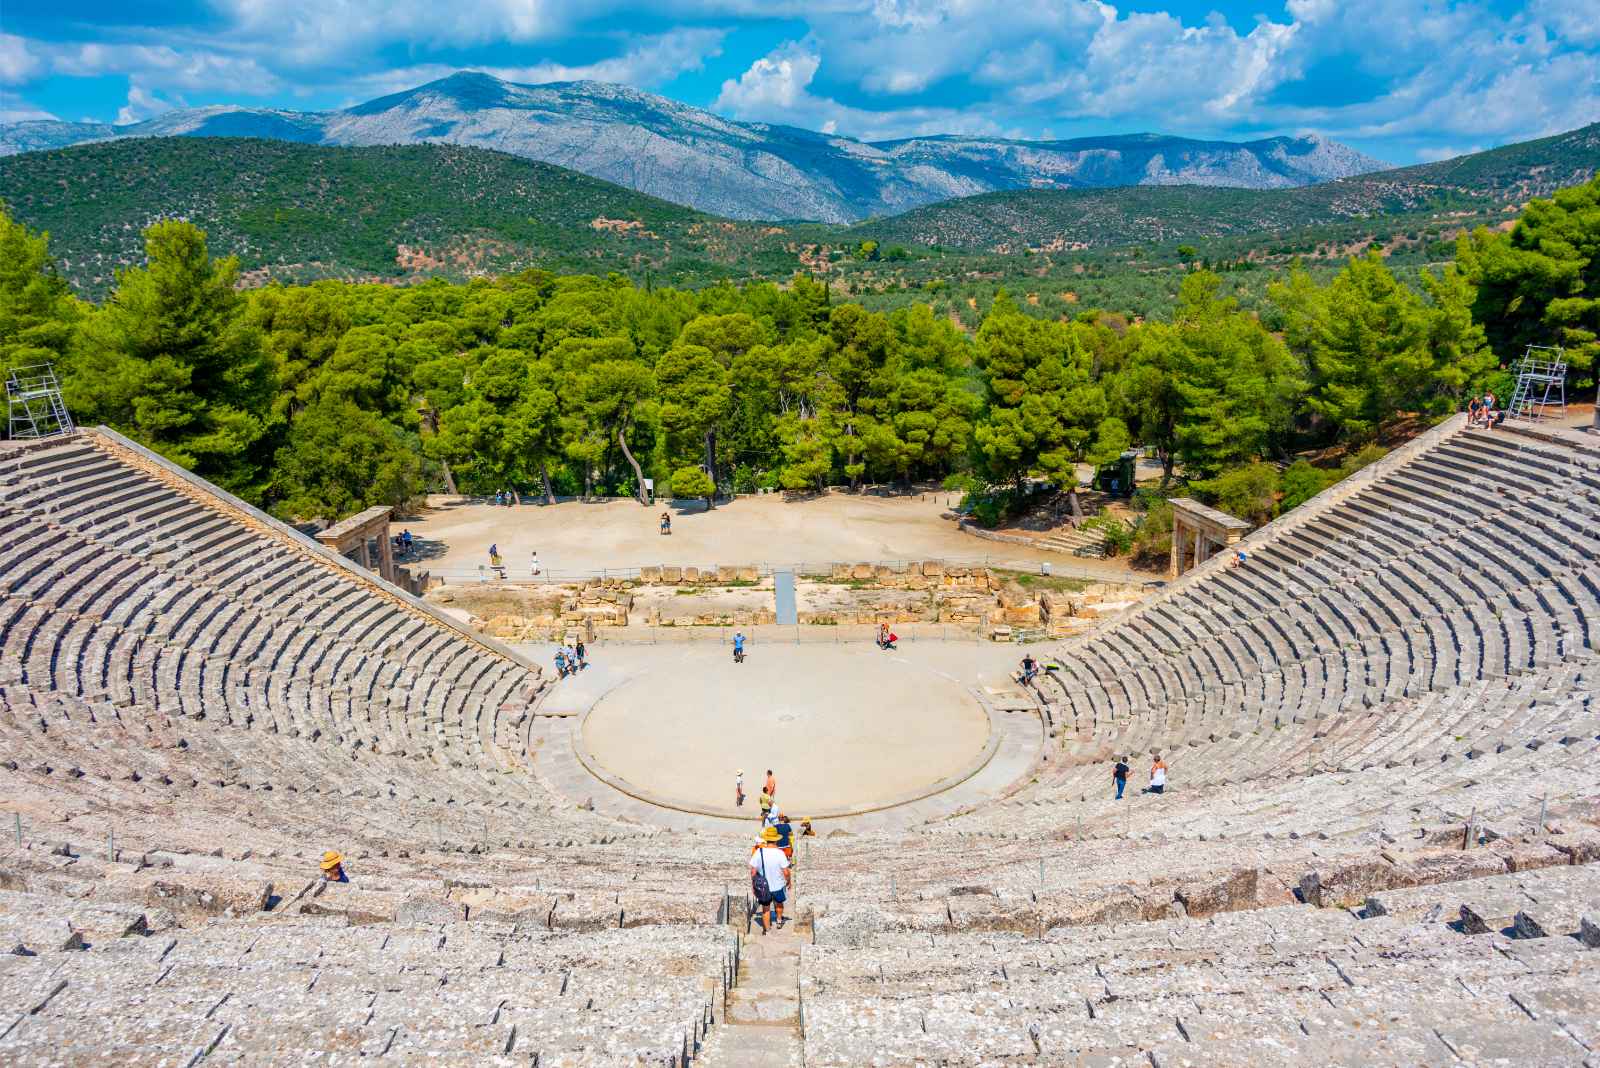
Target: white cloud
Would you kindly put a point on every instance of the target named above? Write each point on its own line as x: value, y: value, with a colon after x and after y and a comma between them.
x: 17, y: 63
x: 143, y: 104
x: 312, y: 31
x: 647, y: 64
x: 776, y: 83
x: 1403, y: 72
x: 776, y: 89
x: 15, y: 109
x: 1577, y: 21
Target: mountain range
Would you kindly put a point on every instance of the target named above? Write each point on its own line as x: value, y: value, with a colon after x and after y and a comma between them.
x: 737, y: 170
x: 1044, y: 219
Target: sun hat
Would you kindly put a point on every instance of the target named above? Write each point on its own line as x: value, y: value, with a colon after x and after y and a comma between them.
x: 330, y: 859
x: 769, y: 834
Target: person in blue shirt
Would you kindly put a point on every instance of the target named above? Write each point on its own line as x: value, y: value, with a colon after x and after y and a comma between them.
x: 738, y: 647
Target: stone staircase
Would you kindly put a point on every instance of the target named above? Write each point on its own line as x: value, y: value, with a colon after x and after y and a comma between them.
x: 1087, y: 543
x: 760, y: 1027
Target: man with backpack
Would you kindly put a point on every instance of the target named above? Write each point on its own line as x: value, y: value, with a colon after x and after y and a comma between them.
x: 769, y: 881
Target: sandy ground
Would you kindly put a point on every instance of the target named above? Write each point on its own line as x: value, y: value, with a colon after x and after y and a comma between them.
x: 840, y: 725
x: 574, y: 538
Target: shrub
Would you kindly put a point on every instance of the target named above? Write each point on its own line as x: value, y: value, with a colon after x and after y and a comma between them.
x: 1118, y: 536
x: 691, y: 482
x: 1152, y: 541
x: 1249, y: 492
x: 1301, y: 482
x: 1369, y: 454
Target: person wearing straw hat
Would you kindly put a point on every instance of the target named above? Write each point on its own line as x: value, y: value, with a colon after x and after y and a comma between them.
x: 769, y: 879
x: 738, y: 788
x: 333, y: 867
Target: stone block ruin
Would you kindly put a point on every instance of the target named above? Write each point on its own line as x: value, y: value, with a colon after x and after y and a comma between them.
x: 931, y: 592
x: 1377, y: 844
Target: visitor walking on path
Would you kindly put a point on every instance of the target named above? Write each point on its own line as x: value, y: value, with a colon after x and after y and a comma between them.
x: 1119, y: 775
x: 771, y: 785
x: 769, y: 881
x: 786, y: 843
x: 561, y: 663
x: 738, y: 647
x: 738, y: 789
x: 579, y: 650
x: 1158, y: 776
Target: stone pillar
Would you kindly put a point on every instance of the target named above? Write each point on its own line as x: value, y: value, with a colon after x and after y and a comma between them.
x: 1199, y: 540
x: 1202, y: 550
x: 385, y: 554
x: 362, y: 556
x: 1177, y: 546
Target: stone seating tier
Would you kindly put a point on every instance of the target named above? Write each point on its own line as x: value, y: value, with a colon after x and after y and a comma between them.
x: 193, y: 700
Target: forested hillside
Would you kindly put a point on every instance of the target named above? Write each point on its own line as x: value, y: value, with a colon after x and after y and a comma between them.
x: 300, y: 212
x: 325, y: 398
x: 1474, y: 186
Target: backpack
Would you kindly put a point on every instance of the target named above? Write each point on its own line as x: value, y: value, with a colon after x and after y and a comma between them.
x: 758, y: 880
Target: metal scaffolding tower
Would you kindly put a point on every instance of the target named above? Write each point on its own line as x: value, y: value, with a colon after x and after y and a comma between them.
x: 1541, y: 384
x: 34, y: 404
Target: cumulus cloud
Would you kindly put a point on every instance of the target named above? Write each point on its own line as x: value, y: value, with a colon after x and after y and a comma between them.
x: 1405, y: 73
x: 143, y: 104
x: 17, y: 63
x: 775, y: 84
x: 776, y: 89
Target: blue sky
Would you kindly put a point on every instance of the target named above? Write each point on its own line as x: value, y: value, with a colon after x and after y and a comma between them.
x: 1403, y: 80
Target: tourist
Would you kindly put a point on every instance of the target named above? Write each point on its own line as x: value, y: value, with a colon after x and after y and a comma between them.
x: 1240, y: 557
x: 494, y: 551
x: 561, y: 662
x: 1030, y: 668
x: 786, y: 842
x: 883, y: 635
x: 533, y: 563
x: 738, y: 789
x: 771, y: 785
x: 666, y: 523
x: 738, y: 647
x: 765, y: 801
x: 1158, y: 776
x: 1490, y: 418
x: 889, y: 642
x: 1119, y: 775
x: 785, y: 831
x: 578, y: 651
x: 333, y: 868
x: 768, y: 879
x: 1474, y: 411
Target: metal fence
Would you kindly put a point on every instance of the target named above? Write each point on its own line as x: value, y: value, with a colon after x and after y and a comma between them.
x: 521, y: 575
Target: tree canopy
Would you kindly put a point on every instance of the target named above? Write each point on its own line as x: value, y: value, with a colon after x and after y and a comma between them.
x: 328, y: 398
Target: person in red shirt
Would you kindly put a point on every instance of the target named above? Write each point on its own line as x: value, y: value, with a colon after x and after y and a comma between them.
x: 771, y: 788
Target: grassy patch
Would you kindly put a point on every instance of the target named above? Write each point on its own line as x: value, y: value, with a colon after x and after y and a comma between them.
x: 1034, y: 581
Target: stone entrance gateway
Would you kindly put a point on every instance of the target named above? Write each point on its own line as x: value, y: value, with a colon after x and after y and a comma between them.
x: 352, y: 537
x: 1199, y: 532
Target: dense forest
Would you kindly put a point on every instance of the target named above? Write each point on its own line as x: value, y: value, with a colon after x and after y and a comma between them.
x: 320, y: 399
